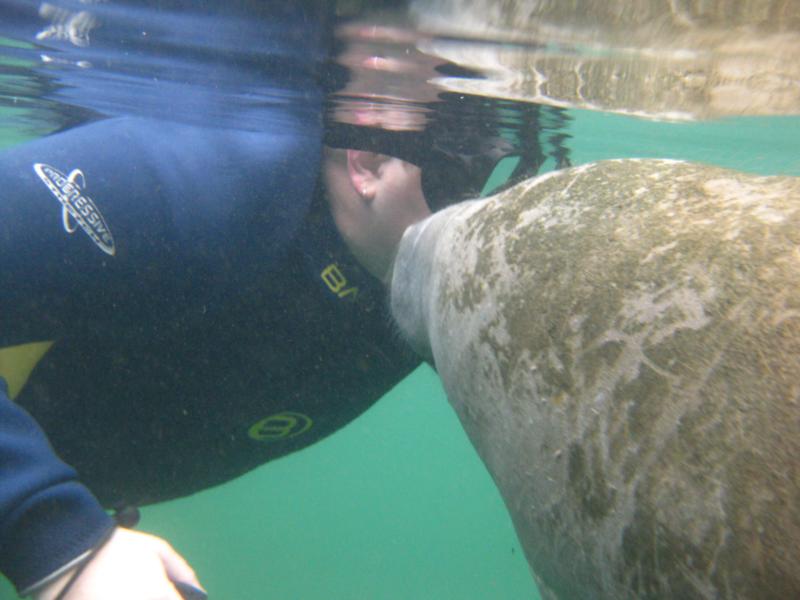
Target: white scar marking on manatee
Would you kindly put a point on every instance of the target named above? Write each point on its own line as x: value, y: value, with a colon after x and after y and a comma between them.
x: 649, y: 307
x: 659, y: 251
x: 550, y: 212
x: 640, y: 324
x: 756, y: 199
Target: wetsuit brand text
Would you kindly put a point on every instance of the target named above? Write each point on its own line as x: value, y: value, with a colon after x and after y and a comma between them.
x: 337, y: 283
x: 75, y: 206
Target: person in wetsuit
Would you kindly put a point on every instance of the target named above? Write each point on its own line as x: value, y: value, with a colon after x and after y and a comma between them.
x: 181, y: 302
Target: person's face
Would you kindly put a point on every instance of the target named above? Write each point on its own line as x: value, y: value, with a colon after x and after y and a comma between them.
x: 373, y: 199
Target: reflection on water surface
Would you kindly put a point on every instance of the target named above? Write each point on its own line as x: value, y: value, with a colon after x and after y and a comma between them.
x: 670, y: 60
x: 674, y: 61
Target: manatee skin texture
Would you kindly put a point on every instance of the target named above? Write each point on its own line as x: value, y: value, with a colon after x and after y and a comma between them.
x: 621, y: 342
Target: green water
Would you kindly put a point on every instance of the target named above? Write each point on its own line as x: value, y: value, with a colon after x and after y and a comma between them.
x: 397, y: 505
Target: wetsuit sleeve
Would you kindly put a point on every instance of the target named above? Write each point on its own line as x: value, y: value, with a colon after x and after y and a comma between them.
x: 47, y: 518
x: 115, y: 226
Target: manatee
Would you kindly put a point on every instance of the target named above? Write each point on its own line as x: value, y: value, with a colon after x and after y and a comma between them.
x: 621, y: 343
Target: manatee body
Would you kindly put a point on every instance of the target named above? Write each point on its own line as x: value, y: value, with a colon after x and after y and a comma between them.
x: 621, y: 342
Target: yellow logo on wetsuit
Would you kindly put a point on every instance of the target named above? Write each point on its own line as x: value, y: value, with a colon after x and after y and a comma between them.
x: 280, y: 426
x: 336, y: 281
x: 17, y: 364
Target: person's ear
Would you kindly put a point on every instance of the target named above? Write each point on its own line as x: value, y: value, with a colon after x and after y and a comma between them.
x: 364, y: 169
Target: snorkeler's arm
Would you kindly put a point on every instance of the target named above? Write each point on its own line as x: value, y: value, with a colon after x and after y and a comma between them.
x: 48, y: 520
x: 99, y: 225
x: 50, y: 525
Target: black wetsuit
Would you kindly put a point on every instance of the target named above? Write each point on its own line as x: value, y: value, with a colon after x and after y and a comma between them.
x: 176, y: 308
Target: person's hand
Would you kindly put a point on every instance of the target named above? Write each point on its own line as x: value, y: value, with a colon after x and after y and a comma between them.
x: 130, y: 566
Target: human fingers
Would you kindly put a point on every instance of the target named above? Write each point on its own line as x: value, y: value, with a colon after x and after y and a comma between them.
x: 176, y: 567
x: 129, y: 566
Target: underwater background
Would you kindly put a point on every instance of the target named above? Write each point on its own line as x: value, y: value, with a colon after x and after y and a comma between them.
x: 397, y: 505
